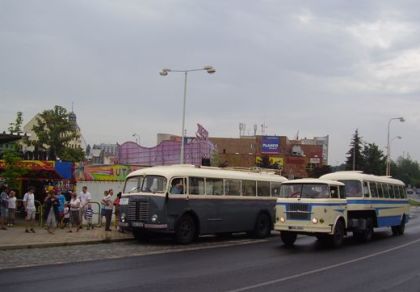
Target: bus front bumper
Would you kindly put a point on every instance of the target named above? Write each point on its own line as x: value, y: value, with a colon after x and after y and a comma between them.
x: 151, y: 226
x: 304, y: 229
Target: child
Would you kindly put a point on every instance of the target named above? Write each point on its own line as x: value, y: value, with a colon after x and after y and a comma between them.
x: 88, y: 216
x: 66, y: 216
x: 12, y: 208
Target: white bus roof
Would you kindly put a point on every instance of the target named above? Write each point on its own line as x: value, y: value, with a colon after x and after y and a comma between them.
x: 215, y: 172
x: 314, y: 181
x: 359, y: 175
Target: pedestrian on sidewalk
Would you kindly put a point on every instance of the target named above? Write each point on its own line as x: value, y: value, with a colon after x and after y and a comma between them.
x: 4, y: 202
x: 65, y: 221
x: 117, y: 210
x: 74, y: 212
x: 51, y: 211
x: 12, y: 208
x: 30, y: 209
x: 85, y: 197
x: 89, y: 216
x: 62, y: 201
x: 107, y: 206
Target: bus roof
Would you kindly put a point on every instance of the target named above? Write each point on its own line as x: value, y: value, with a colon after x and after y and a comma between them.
x: 314, y: 181
x: 215, y: 172
x: 359, y: 175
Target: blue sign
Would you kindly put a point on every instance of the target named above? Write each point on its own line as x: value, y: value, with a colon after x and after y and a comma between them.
x: 270, y: 145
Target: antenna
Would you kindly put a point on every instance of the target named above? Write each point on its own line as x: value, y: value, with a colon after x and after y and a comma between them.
x: 263, y: 127
x: 255, y: 129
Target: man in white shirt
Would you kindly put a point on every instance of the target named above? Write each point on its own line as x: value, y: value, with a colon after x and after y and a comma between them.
x: 85, y: 197
x: 29, y: 204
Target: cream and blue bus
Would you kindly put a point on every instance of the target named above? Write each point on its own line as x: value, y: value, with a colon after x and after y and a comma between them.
x: 312, y: 207
x: 373, y: 201
x: 188, y: 201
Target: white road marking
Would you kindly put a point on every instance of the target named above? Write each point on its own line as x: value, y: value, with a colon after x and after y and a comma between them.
x: 295, y: 276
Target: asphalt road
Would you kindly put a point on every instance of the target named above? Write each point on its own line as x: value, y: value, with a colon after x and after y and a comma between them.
x: 386, y: 264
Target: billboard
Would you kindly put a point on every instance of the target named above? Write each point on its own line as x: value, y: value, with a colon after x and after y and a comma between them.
x: 270, y: 145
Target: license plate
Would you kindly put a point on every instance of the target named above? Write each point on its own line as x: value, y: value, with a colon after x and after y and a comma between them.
x: 137, y: 224
x: 296, y: 227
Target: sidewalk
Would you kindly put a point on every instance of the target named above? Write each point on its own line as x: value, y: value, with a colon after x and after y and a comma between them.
x: 16, y: 238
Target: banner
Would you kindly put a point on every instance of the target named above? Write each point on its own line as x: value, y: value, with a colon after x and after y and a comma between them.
x: 270, y: 145
x: 116, y: 172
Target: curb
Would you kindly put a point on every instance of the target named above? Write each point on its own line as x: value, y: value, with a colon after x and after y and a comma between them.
x: 56, y: 244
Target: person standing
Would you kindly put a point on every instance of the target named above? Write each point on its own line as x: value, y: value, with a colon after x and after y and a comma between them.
x: 12, y: 208
x: 4, y: 202
x: 62, y: 201
x: 51, y: 211
x: 89, y: 216
x: 30, y: 209
x: 117, y: 210
x: 107, y: 206
x: 74, y: 212
x: 85, y: 197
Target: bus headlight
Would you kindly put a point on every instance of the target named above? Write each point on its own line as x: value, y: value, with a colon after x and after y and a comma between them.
x: 282, y: 220
x: 314, y: 220
x: 154, y: 218
x: 123, y: 218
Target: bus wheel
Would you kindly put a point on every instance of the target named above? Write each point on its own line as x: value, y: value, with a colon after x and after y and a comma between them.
x: 262, y: 226
x: 338, y: 237
x: 186, y: 230
x: 399, y: 229
x: 288, y: 238
x: 364, y: 235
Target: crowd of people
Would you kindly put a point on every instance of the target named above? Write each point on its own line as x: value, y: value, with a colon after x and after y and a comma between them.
x: 58, y: 212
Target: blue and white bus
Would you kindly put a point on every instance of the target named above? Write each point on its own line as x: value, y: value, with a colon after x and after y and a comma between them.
x: 373, y: 201
x: 188, y: 200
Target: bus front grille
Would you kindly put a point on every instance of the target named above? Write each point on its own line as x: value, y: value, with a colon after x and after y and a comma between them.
x: 138, y: 211
x: 297, y: 211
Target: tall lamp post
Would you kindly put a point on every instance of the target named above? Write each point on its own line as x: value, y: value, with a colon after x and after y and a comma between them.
x: 164, y: 72
x: 388, y: 148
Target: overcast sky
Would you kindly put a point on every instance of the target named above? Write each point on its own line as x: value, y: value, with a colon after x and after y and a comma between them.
x: 317, y: 67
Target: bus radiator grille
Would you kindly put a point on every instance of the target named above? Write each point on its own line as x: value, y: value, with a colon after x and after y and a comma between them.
x: 297, y: 211
x: 138, y: 211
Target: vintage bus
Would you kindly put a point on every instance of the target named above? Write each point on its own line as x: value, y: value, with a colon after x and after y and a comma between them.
x: 373, y: 201
x: 312, y: 207
x: 188, y: 201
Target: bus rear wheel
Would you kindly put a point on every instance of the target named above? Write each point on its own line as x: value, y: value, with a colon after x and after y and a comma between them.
x: 399, y: 229
x: 366, y: 234
x: 262, y: 227
x: 186, y: 230
x: 288, y: 238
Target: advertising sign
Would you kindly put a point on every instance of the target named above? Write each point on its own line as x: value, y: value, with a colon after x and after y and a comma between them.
x: 270, y: 145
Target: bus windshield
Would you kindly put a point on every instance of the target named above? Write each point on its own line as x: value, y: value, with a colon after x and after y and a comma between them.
x: 154, y: 184
x: 133, y: 184
x: 312, y: 191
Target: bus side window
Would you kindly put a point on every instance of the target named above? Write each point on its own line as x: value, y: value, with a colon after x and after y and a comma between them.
x: 380, y: 190
x: 214, y: 186
x: 334, y: 192
x: 178, y: 186
x: 342, y: 192
x: 373, y: 189
x: 196, y: 186
x: 263, y: 188
x: 232, y: 187
x: 275, y: 189
x: 249, y: 188
x: 365, y: 190
x: 396, y: 191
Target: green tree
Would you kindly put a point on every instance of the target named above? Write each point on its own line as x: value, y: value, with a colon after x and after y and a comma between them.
x: 55, y: 131
x: 16, y: 127
x: 406, y: 170
x: 319, y: 171
x: 354, y: 155
x: 374, y: 161
x: 12, y: 170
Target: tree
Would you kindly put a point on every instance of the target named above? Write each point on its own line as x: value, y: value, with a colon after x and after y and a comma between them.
x: 55, y: 131
x: 12, y: 170
x: 354, y: 156
x: 319, y: 171
x: 406, y: 170
x: 374, y: 161
x: 16, y: 127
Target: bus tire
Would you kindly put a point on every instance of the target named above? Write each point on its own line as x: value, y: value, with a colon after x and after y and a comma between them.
x: 288, y: 238
x: 399, y: 229
x: 262, y: 227
x: 366, y: 234
x: 338, y: 237
x: 186, y: 230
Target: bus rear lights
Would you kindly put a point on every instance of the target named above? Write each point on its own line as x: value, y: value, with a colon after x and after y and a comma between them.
x: 154, y: 218
x: 314, y: 220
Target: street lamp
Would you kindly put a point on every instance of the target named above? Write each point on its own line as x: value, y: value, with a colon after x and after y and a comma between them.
x: 164, y: 72
x: 388, y: 148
